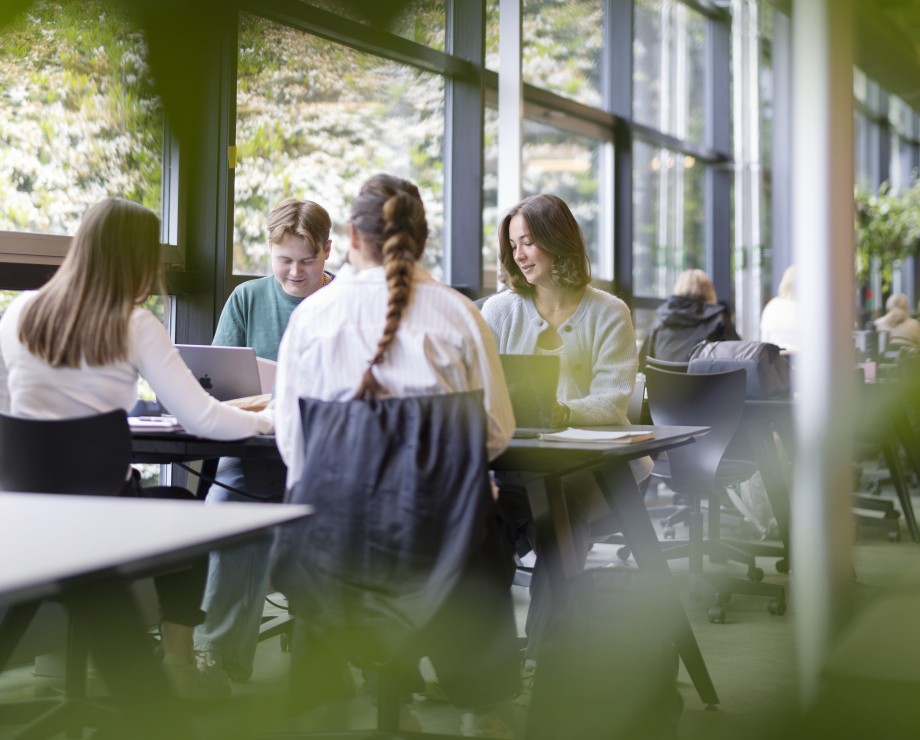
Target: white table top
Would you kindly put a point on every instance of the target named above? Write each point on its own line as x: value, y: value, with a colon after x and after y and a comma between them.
x: 46, y: 540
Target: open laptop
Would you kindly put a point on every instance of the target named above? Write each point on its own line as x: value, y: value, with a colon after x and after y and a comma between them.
x: 224, y: 372
x: 532, y: 381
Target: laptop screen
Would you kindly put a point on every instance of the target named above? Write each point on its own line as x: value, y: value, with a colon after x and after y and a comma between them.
x: 224, y: 372
x: 532, y: 382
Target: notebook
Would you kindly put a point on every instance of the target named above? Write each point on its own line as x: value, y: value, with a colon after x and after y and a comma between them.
x: 532, y: 381
x: 224, y: 372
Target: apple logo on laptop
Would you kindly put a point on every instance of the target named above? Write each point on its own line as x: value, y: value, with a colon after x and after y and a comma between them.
x: 205, y: 382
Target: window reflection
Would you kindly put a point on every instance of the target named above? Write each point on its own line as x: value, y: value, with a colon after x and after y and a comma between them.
x: 668, y: 210
x: 314, y: 120
x: 669, y: 68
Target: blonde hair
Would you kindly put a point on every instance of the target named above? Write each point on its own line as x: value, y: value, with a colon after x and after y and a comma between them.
x: 81, y: 314
x: 697, y: 285
x: 302, y: 218
x: 390, y: 218
x: 897, y: 300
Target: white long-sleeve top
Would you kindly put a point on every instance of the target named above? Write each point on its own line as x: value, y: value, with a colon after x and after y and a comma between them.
x: 442, y: 346
x: 38, y: 390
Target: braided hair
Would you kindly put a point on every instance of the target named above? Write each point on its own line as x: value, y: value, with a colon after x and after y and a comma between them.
x: 390, y: 218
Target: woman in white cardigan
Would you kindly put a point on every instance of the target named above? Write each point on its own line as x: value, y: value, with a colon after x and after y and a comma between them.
x: 551, y: 309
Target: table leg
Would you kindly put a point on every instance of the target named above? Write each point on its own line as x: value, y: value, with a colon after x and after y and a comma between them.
x: 108, y: 618
x: 619, y: 487
x: 892, y: 459
x: 908, y: 441
x: 554, y: 543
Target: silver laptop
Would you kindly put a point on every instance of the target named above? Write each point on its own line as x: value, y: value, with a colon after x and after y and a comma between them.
x: 224, y: 372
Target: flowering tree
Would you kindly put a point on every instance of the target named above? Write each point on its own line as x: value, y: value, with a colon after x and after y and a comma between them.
x: 887, y: 229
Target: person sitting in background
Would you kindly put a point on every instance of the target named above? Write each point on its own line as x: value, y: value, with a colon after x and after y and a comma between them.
x: 256, y: 315
x: 551, y: 309
x: 779, y: 321
x: 691, y: 315
x: 76, y: 348
x: 903, y: 331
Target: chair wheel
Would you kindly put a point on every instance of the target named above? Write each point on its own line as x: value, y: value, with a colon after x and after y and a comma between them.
x: 669, y: 533
x: 285, y: 640
x: 782, y: 565
x: 623, y: 554
x: 894, y: 536
x: 754, y: 573
x: 777, y: 607
x: 723, y: 598
x: 717, y: 615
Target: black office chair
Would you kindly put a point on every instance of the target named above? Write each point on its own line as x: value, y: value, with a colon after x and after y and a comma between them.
x: 403, y: 556
x: 715, y: 400
x: 673, y: 366
x: 886, y: 430
x: 90, y: 456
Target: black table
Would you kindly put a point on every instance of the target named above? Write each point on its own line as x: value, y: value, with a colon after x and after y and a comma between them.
x: 539, y: 466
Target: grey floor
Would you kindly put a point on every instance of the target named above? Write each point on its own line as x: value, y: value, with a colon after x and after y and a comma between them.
x: 751, y: 658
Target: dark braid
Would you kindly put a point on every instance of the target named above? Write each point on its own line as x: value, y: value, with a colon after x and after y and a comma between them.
x: 391, y: 218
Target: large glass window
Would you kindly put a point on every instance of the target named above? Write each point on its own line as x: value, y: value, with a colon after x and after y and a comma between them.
x: 668, y: 213
x: 314, y: 120
x: 560, y: 162
x: 563, y: 43
x: 79, y: 119
x: 903, y: 142
x: 669, y: 68
x: 867, y: 130
x: 572, y: 167
x: 766, y: 85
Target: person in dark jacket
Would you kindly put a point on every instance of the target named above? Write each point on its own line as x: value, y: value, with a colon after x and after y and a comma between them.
x: 691, y: 314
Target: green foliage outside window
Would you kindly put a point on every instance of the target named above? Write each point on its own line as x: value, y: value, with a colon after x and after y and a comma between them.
x: 887, y: 228
x: 79, y: 119
x: 314, y: 120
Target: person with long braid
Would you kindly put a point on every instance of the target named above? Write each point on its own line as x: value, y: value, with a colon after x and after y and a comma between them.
x: 386, y: 328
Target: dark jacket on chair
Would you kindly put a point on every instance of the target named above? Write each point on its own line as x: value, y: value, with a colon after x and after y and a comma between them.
x: 681, y: 323
x: 405, y: 555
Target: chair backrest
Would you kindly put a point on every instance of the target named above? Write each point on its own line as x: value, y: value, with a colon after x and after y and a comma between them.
x: 402, y: 507
x: 88, y: 455
x: 674, y: 367
x: 637, y: 401
x: 714, y: 400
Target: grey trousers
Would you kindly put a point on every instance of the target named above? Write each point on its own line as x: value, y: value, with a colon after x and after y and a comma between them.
x: 238, y: 576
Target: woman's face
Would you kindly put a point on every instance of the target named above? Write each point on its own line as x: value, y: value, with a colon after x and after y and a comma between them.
x: 535, y: 264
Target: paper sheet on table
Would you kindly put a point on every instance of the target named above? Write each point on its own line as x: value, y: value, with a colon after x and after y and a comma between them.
x: 163, y: 423
x: 595, y: 435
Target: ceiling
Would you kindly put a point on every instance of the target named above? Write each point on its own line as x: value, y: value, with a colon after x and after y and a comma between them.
x: 887, y: 45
